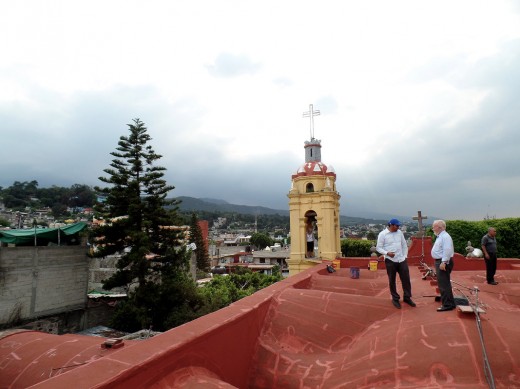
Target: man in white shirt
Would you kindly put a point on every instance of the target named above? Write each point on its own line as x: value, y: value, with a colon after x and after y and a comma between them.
x: 391, y: 243
x: 442, y: 253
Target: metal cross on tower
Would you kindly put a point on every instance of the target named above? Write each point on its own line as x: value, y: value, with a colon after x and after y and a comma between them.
x: 310, y: 114
x: 420, y: 218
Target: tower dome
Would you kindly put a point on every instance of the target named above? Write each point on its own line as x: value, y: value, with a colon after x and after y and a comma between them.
x: 315, y: 168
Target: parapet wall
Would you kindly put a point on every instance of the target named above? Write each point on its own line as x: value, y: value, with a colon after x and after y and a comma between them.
x: 40, y: 281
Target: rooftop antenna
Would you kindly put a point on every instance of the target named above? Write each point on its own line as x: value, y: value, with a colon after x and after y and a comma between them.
x: 310, y: 114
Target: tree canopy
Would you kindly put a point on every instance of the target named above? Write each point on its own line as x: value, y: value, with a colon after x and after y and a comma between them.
x: 260, y: 240
x: 22, y: 195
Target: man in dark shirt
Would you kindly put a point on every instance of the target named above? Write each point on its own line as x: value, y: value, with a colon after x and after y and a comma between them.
x: 489, y: 248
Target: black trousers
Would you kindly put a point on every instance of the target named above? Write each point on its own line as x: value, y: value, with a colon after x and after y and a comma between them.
x: 444, y: 283
x: 401, y: 268
x: 491, y: 267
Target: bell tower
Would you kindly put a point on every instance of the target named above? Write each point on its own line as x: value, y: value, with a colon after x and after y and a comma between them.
x: 313, y: 204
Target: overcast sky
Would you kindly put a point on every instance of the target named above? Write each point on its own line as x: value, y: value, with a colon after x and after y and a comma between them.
x: 419, y: 100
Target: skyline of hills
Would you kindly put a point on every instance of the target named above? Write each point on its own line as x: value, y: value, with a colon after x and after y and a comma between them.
x: 218, y: 205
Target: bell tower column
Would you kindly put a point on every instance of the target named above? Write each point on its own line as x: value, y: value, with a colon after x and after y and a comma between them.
x: 313, y: 206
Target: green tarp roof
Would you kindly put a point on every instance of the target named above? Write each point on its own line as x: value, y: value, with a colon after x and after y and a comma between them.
x: 26, y: 236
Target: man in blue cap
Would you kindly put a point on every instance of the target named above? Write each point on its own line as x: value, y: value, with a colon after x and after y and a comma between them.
x: 392, y: 245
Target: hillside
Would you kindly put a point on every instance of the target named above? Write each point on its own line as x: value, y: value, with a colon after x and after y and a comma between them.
x: 192, y: 204
x: 189, y: 204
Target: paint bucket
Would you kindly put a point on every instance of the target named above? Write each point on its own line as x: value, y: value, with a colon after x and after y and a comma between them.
x: 336, y: 264
x: 373, y: 265
x: 354, y: 272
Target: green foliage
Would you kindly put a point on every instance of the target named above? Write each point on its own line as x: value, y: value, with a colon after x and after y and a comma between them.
x: 356, y: 247
x: 260, y: 240
x: 508, y: 235
x: 20, y: 194
x: 129, y: 317
x: 371, y: 235
x: 4, y: 222
x: 27, y: 194
x: 224, y: 290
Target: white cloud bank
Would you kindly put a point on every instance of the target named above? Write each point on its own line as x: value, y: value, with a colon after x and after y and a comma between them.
x: 419, y: 101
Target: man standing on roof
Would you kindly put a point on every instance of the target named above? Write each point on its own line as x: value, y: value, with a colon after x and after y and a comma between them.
x: 391, y: 243
x: 442, y: 253
x: 489, y: 248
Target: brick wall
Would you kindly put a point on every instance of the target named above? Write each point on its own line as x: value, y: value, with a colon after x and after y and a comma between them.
x: 42, y: 281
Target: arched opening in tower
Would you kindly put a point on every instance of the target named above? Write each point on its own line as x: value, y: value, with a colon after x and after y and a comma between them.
x: 311, y: 234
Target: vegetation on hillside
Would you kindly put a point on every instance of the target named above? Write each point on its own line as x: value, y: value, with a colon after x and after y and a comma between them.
x: 66, y: 202
x: 27, y: 195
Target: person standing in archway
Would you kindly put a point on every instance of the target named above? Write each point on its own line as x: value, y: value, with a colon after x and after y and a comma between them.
x: 309, y: 238
x: 309, y: 234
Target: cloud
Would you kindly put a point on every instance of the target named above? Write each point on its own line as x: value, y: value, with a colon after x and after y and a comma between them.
x: 232, y: 65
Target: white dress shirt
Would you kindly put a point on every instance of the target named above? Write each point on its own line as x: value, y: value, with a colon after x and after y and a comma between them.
x: 443, y: 247
x: 394, y: 242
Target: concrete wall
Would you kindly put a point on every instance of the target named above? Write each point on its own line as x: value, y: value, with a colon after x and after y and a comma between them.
x: 40, y: 281
x: 100, y: 270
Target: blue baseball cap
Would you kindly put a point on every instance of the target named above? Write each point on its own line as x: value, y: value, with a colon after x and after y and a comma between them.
x: 395, y: 222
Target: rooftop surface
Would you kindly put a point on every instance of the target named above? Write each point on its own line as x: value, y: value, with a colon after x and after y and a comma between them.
x: 312, y: 330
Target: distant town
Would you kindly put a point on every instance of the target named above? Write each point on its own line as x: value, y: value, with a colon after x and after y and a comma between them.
x: 226, y: 227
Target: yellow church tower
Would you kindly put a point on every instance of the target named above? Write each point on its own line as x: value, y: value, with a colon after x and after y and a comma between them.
x: 313, y: 208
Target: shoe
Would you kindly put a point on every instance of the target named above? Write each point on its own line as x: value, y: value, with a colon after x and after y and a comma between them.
x: 396, y: 304
x: 410, y: 302
x: 493, y: 283
x: 443, y: 308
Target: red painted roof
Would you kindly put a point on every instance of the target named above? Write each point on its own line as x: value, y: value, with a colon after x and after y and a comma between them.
x: 315, y: 168
x: 313, y: 330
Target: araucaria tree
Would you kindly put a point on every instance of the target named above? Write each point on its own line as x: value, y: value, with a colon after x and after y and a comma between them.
x: 136, y: 226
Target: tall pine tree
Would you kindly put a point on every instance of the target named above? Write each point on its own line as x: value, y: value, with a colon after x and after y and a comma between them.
x: 136, y: 227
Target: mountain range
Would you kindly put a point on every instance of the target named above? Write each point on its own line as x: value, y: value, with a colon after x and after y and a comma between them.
x: 192, y: 204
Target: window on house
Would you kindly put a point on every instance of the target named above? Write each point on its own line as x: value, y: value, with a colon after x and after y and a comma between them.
x: 309, y: 187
